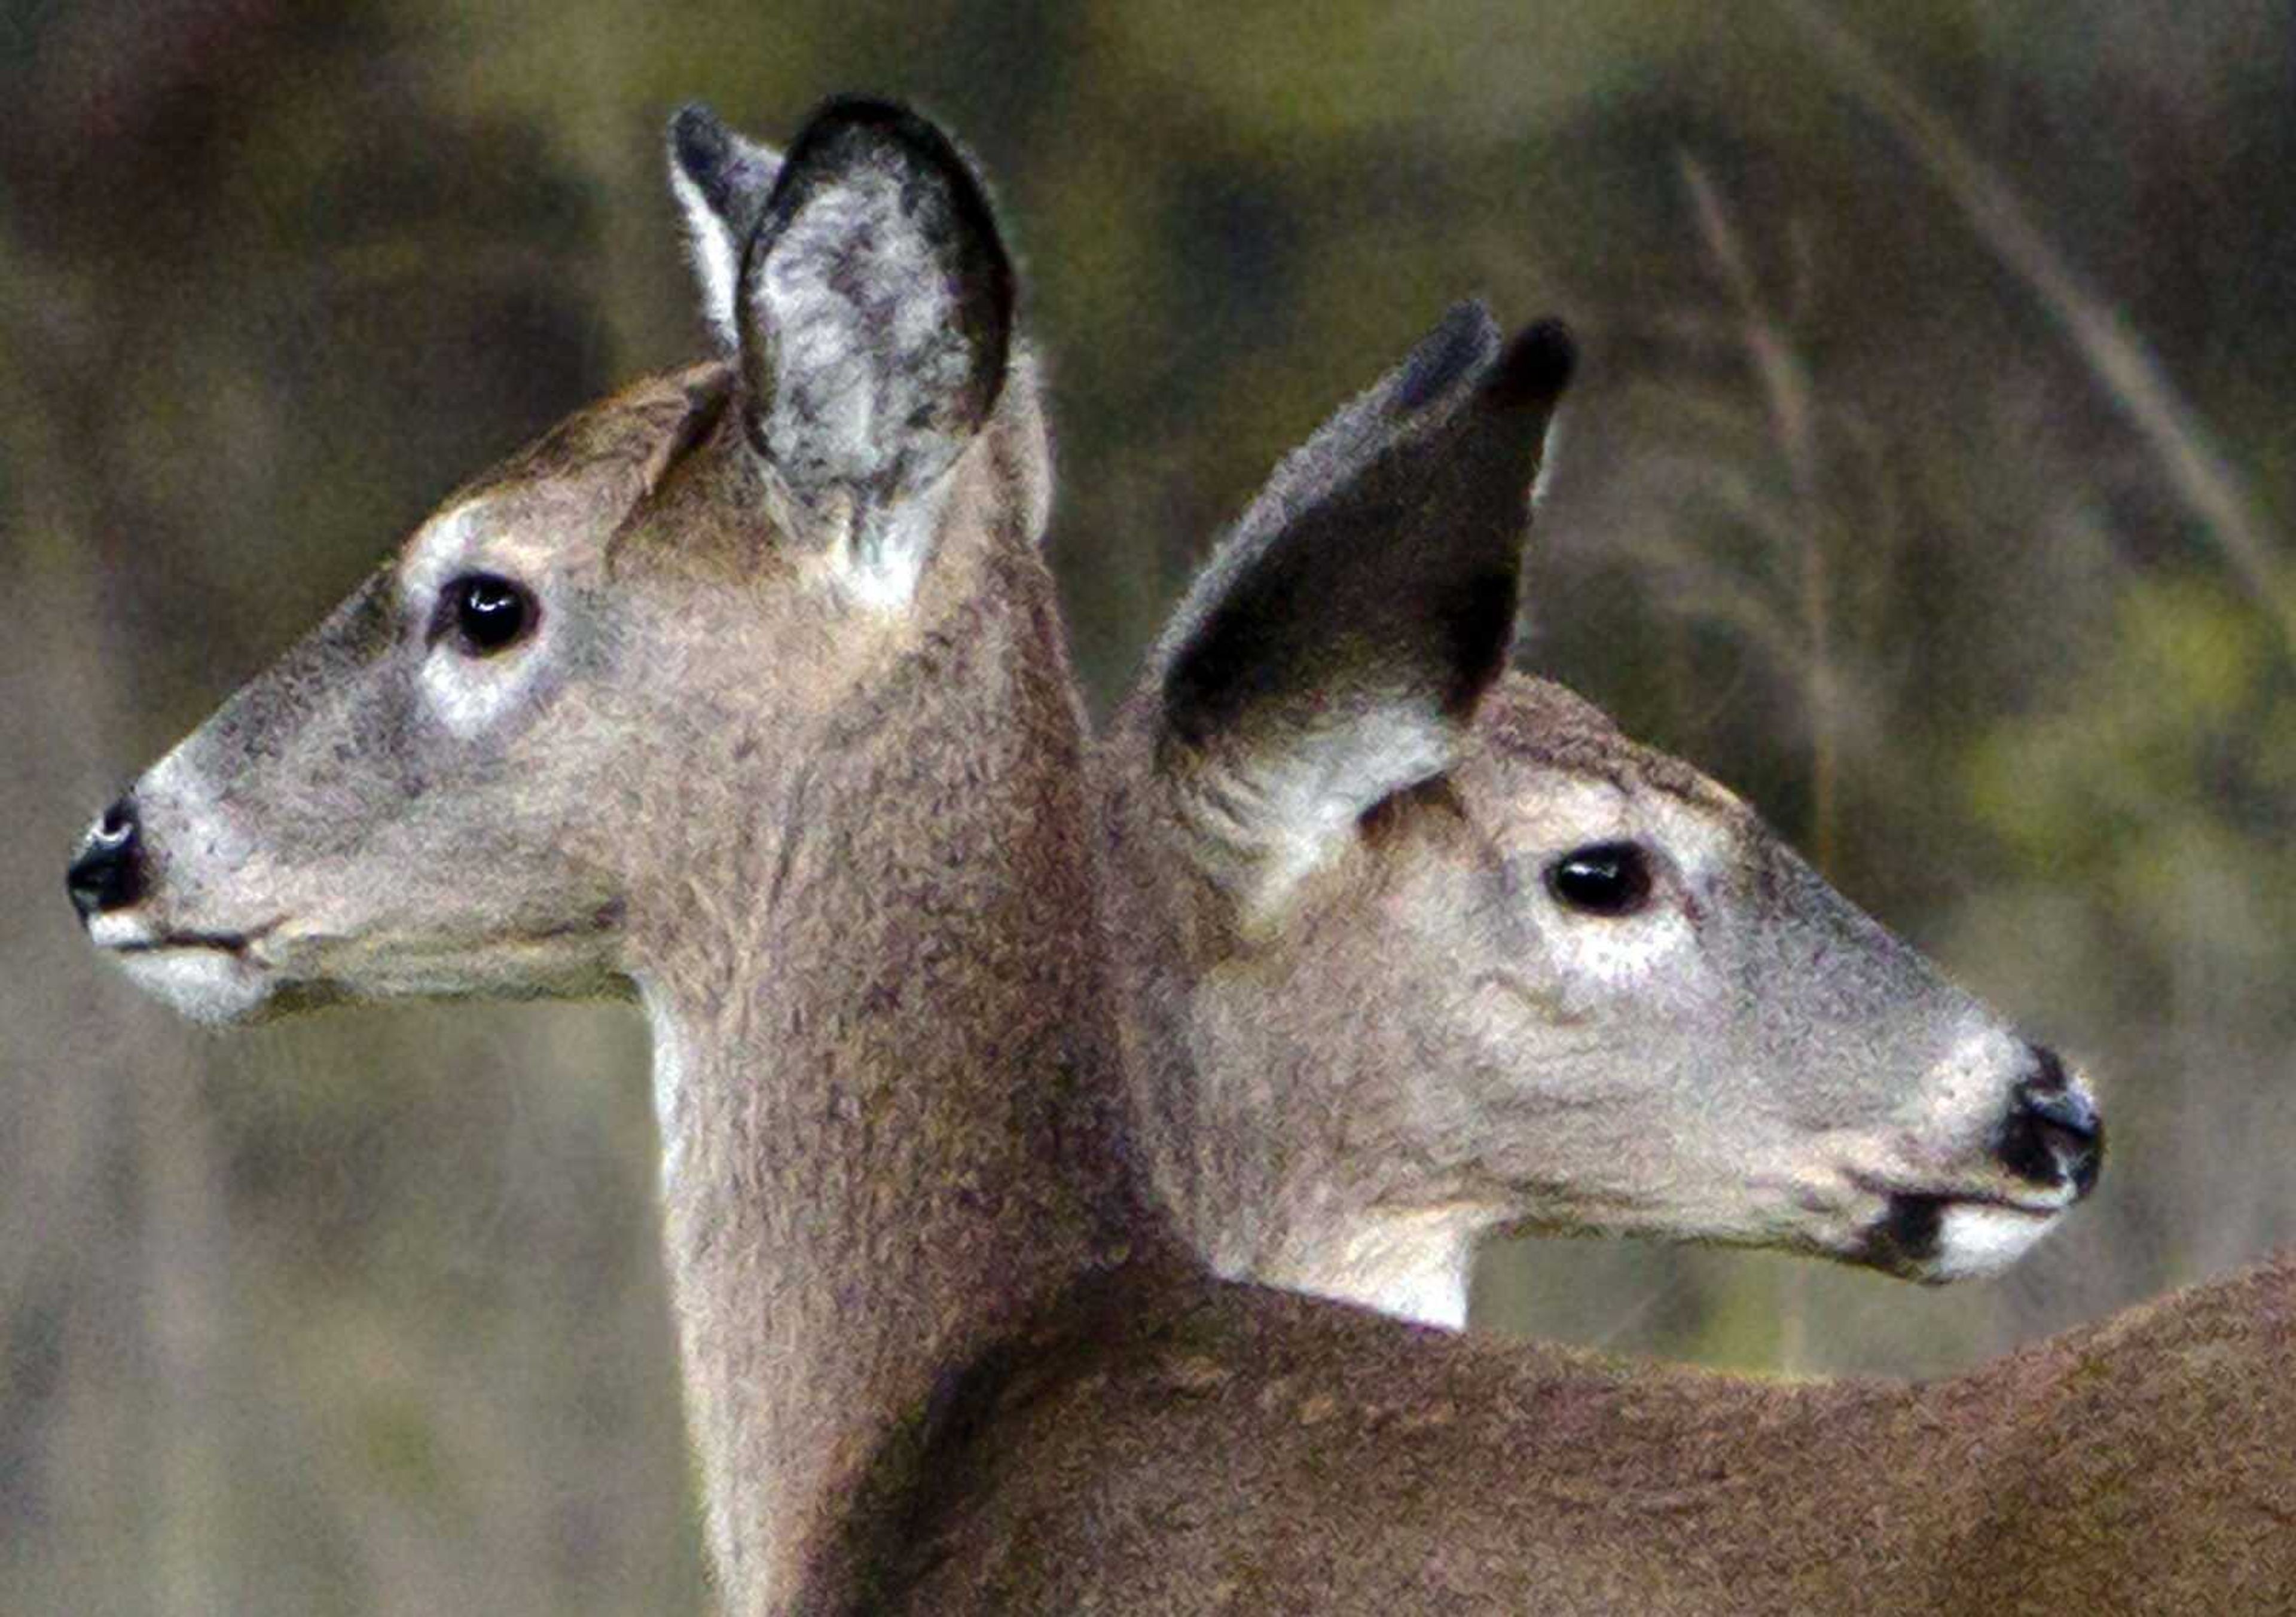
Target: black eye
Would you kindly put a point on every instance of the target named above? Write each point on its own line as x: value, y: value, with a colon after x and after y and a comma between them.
x: 1605, y: 879
x: 489, y: 612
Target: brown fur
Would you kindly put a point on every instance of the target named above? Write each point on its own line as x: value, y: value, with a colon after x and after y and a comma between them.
x: 901, y: 1131
x: 1239, y: 1451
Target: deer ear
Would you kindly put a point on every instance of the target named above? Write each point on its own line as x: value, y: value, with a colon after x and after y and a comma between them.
x: 1335, y: 649
x: 874, y: 313
x: 721, y: 179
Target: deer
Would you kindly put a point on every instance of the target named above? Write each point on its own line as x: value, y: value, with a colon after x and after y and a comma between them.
x: 1285, y: 1004
x: 1320, y: 1116
x: 742, y: 696
x: 1415, y: 949
x: 1336, y: 827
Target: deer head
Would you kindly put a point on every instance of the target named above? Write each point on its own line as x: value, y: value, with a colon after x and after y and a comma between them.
x: 483, y: 774
x: 1418, y: 949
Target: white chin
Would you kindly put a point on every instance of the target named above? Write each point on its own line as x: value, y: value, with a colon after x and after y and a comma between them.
x: 210, y: 986
x: 1975, y: 1240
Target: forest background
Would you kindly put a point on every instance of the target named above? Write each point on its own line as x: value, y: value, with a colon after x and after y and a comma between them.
x: 1928, y: 482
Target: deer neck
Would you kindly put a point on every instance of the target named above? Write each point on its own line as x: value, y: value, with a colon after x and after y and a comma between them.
x: 1258, y: 1106
x: 883, y: 1073
x: 1295, y: 1216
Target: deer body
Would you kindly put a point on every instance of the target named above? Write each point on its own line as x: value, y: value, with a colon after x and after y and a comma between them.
x: 1255, y: 1454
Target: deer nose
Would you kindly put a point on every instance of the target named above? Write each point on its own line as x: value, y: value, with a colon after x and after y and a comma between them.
x: 2054, y: 1134
x: 108, y: 874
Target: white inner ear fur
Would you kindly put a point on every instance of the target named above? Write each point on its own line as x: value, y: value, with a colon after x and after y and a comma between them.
x: 885, y: 553
x: 1291, y: 808
x: 867, y: 339
x: 712, y: 245
x: 717, y: 257
x: 882, y: 560
x: 870, y: 344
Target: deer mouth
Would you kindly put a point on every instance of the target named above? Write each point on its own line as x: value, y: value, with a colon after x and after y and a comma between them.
x: 2038, y: 1205
x: 225, y: 943
x: 1936, y: 1238
x: 214, y: 977
x: 126, y: 935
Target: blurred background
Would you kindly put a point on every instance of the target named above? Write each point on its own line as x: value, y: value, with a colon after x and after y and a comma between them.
x: 1926, y: 483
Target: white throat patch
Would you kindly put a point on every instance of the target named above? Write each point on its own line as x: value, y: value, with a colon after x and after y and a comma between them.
x: 1413, y: 1266
x: 673, y: 1068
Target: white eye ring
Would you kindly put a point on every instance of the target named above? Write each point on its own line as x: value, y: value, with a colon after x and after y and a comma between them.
x: 468, y: 675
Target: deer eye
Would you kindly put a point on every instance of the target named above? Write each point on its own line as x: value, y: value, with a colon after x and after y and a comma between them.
x: 1605, y: 879
x: 487, y: 612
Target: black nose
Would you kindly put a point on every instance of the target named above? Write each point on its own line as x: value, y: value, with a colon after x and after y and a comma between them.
x: 2053, y: 1134
x: 109, y: 873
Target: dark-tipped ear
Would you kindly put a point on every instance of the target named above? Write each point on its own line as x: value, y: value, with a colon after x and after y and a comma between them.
x: 1334, y: 651
x: 722, y: 179
x: 875, y: 313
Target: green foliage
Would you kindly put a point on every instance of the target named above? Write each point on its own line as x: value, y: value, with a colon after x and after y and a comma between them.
x: 2188, y: 686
